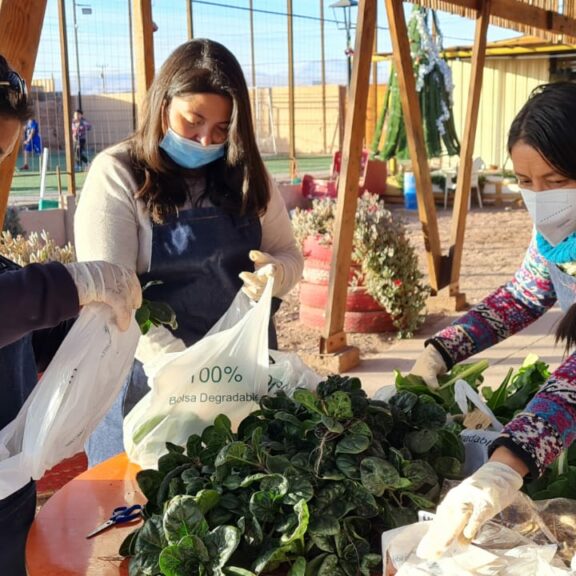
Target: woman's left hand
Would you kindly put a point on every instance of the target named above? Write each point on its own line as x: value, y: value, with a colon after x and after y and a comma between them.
x: 265, y: 266
x: 468, y: 506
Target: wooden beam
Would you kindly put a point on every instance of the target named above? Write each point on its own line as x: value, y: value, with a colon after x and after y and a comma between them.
x: 522, y: 13
x: 333, y: 337
x: 143, y: 41
x: 20, y: 29
x: 415, y: 137
x: 66, y: 108
x: 467, y: 149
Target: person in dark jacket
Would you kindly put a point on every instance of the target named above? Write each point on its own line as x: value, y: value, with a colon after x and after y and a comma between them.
x: 37, y: 305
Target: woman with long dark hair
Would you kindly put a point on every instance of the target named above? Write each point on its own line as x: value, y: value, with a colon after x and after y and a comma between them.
x: 187, y: 201
x: 542, y: 147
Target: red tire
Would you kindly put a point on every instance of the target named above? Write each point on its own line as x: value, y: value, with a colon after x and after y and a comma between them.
x: 369, y: 322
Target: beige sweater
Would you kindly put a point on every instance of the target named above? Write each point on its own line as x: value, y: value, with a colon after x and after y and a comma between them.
x: 110, y: 224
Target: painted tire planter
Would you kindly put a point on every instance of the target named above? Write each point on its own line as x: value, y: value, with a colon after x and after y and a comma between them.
x: 363, y: 313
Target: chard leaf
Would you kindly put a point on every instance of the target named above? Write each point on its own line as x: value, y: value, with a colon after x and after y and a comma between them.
x: 369, y: 562
x: 149, y: 544
x: 276, y: 484
x: 347, y: 464
x: 234, y: 453
x: 421, y: 441
x: 299, y: 488
x: 324, y: 525
x: 378, y: 475
x: 428, y: 414
x: 307, y: 399
x: 206, y: 500
x: 194, y: 446
x: 363, y: 501
x: 251, y: 530
x: 332, y: 424
x: 352, y: 444
x: 331, y: 567
x: 298, y: 568
x: 339, y: 405
x: 420, y: 473
x: 221, y: 544
x: 448, y: 467
x: 184, y: 558
x: 264, y: 506
x: 183, y: 517
x: 235, y: 571
x: 303, y: 516
x: 360, y: 428
x: 149, y: 482
x: 419, y: 501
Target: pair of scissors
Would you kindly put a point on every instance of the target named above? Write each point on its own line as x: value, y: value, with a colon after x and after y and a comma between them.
x: 120, y: 515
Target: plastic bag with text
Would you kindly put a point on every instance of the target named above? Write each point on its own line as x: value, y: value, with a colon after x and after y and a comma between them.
x: 476, y: 442
x: 74, y: 393
x: 224, y: 373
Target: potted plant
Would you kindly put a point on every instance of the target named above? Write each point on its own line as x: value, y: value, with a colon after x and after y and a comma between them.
x: 385, y: 264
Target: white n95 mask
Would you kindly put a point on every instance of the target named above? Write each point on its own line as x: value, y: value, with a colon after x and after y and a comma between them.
x: 553, y: 212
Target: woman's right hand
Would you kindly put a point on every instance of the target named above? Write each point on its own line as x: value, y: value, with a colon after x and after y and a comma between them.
x: 110, y: 284
x: 429, y: 365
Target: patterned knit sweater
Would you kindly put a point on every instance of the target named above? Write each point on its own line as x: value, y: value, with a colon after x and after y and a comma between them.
x: 548, y: 423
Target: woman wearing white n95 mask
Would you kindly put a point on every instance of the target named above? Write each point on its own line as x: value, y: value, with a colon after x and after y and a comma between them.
x: 542, y: 146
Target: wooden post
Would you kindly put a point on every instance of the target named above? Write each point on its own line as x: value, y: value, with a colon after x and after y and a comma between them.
x: 333, y: 340
x: 66, y: 108
x: 291, y: 105
x: 467, y: 149
x: 143, y: 48
x: 20, y: 29
x: 415, y: 137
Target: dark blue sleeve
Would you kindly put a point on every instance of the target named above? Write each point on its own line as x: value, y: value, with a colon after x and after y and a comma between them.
x: 35, y: 297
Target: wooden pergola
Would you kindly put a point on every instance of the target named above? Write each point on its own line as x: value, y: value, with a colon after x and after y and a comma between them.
x: 21, y: 26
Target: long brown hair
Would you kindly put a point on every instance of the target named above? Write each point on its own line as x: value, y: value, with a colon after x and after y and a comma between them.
x: 239, y: 181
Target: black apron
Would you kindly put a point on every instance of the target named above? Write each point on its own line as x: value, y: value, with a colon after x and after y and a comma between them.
x: 197, y: 256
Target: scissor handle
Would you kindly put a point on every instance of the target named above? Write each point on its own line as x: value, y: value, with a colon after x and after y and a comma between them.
x: 124, y: 514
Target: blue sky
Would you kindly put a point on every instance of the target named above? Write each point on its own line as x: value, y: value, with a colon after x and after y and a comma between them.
x: 104, y: 50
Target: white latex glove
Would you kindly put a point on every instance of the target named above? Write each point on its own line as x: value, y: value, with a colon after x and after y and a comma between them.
x: 468, y: 506
x: 429, y: 365
x: 109, y: 283
x: 265, y: 266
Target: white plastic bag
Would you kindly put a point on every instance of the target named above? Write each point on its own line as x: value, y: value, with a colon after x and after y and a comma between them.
x: 476, y: 442
x: 74, y: 393
x: 288, y: 371
x: 224, y: 373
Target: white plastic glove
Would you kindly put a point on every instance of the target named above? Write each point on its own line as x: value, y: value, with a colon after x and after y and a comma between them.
x: 468, y: 506
x: 109, y: 283
x: 265, y: 266
x: 429, y: 365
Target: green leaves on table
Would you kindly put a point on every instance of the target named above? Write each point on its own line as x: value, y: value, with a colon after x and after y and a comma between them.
x: 307, y: 483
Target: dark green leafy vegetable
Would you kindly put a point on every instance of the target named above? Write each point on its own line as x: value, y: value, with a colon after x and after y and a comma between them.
x: 307, y: 483
x: 153, y: 313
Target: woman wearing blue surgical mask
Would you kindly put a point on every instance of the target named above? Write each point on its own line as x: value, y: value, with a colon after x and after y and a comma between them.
x: 186, y: 201
x: 542, y: 146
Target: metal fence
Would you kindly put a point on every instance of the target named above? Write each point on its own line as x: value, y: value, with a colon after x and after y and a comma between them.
x: 101, y: 63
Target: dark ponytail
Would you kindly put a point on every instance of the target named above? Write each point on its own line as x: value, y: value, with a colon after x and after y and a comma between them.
x: 566, y: 331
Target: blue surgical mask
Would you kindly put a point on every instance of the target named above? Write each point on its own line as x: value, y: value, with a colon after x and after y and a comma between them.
x: 189, y: 153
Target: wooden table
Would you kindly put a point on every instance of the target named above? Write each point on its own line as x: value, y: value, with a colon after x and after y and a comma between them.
x: 57, y: 544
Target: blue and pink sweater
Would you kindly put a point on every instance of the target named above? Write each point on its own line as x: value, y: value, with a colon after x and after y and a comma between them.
x: 548, y: 423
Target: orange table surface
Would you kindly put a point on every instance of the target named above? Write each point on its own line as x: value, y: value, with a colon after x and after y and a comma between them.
x: 57, y: 543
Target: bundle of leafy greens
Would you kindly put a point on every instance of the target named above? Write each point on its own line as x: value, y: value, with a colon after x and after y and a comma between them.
x: 152, y: 313
x: 306, y: 485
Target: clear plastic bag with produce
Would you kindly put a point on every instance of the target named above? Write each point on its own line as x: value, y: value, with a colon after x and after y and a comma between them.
x: 224, y: 373
x: 497, y: 551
